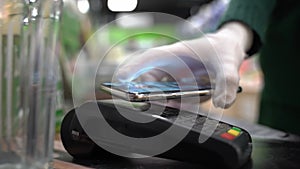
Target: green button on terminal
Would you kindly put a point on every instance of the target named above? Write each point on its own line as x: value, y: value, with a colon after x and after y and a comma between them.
x: 236, y: 129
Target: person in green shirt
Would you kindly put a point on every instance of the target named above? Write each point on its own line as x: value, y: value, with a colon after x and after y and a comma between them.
x: 270, y: 27
x: 275, y: 25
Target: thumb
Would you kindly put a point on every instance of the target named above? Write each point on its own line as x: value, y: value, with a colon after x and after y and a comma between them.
x: 226, y: 87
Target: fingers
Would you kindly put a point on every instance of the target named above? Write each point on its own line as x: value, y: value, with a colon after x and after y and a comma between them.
x: 137, y: 72
x: 158, y: 64
x: 140, y: 65
x: 154, y: 75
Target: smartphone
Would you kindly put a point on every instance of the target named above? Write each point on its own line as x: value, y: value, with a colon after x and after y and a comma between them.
x: 145, y: 91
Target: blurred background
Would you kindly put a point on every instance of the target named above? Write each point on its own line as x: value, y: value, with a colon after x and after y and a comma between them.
x: 80, y: 36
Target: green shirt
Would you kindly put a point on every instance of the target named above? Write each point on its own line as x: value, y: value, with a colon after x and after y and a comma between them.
x: 276, y: 26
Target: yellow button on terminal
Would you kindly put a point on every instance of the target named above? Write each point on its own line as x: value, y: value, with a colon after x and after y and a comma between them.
x: 233, y: 132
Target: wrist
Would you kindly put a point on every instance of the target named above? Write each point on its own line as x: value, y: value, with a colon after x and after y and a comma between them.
x: 242, y: 34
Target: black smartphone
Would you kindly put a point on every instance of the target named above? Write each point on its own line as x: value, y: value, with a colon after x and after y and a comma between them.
x: 145, y: 91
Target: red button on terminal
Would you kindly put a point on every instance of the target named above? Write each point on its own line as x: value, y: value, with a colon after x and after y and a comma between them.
x: 227, y: 136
